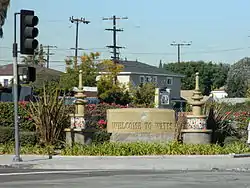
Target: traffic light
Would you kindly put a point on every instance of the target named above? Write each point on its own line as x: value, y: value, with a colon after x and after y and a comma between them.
x: 28, y: 32
x: 27, y: 73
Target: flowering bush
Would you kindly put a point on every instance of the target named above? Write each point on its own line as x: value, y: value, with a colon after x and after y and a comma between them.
x: 7, y: 116
x: 96, y: 115
x: 243, y: 117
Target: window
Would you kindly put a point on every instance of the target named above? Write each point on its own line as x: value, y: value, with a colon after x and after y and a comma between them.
x: 142, y: 79
x: 148, y: 79
x: 6, y: 82
x: 169, y: 81
x: 154, y: 79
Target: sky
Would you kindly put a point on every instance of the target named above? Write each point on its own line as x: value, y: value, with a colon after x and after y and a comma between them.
x: 219, y: 30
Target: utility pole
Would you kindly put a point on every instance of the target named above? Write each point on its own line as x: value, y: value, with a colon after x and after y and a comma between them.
x: 77, y: 21
x: 115, y: 56
x: 48, y: 53
x: 179, y: 48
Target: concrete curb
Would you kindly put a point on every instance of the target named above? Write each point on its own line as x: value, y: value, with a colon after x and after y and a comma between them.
x: 241, y: 155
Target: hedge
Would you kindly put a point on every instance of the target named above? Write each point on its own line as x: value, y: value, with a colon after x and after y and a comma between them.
x: 7, y: 135
x: 93, y: 114
x: 7, y: 116
x: 135, y: 149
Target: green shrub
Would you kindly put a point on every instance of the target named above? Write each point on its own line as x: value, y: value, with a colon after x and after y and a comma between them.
x: 7, y: 116
x: 7, y: 135
x: 133, y: 149
x: 28, y: 138
x: 101, y: 137
x: 140, y: 148
x: 9, y: 148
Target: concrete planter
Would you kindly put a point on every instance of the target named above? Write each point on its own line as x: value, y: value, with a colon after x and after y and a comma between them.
x: 195, y: 136
x: 79, y: 136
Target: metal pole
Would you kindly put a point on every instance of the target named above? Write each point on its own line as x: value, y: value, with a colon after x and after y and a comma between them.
x: 17, y: 157
x: 76, y: 50
x: 114, y: 38
x: 178, y: 53
x: 48, y: 57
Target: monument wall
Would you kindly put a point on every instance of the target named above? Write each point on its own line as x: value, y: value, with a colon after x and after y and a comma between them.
x: 141, y: 124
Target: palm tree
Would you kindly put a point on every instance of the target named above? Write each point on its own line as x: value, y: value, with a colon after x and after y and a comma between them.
x: 4, y: 5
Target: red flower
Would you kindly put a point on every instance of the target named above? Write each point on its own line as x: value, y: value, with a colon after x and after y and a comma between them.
x: 102, y: 122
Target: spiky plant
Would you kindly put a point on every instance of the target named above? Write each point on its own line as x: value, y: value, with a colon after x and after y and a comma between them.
x: 50, y: 115
x: 218, y: 115
x: 4, y: 5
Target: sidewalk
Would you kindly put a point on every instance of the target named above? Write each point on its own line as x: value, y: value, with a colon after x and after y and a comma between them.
x: 128, y: 162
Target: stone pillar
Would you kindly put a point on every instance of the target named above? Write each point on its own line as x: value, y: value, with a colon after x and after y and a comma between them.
x: 156, y: 100
x: 196, y: 131
x: 78, y: 131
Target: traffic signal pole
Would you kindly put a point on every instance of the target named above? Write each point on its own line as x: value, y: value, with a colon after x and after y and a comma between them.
x: 28, y: 44
x: 17, y: 157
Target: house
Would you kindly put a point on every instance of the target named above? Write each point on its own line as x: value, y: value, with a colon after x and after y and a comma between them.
x: 137, y: 73
x: 219, y: 93
x: 26, y: 92
x: 187, y: 95
x: 42, y: 73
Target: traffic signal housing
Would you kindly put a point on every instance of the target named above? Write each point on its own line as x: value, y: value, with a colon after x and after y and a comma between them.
x: 28, y: 32
x: 27, y: 73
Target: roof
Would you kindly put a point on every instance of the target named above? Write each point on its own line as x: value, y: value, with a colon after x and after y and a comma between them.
x: 136, y: 67
x: 7, y: 70
x: 232, y: 100
x: 187, y: 95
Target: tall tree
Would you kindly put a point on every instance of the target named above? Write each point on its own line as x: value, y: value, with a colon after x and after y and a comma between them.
x: 4, y: 5
x: 88, y: 66
x: 238, y: 79
x: 212, y: 76
x: 108, y: 90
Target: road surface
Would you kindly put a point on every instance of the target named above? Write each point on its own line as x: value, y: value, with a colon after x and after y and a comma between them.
x: 29, y: 178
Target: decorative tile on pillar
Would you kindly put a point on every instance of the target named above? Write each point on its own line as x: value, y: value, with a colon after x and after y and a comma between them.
x: 196, y: 123
x: 77, y: 123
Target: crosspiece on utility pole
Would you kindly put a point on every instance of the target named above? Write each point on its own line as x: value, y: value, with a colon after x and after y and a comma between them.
x: 179, y: 48
x: 115, y: 56
x: 77, y: 21
x: 48, y: 53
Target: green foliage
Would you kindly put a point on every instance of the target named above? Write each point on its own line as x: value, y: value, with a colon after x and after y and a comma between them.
x: 6, y: 134
x: 238, y: 79
x: 25, y: 150
x: 144, y: 148
x: 227, y: 120
x: 248, y: 93
x: 212, y: 76
x: 26, y: 138
x: 7, y: 116
x: 109, y: 89
x: 50, y: 115
x: 3, y: 14
x: 134, y: 149
x: 88, y: 66
x: 143, y: 94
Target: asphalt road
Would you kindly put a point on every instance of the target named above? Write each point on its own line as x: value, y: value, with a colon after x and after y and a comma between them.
x: 27, y: 178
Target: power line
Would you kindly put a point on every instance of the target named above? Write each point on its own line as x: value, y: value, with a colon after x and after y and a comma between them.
x: 77, y: 21
x: 48, y: 53
x: 115, y: 30
x: 179, y: 48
